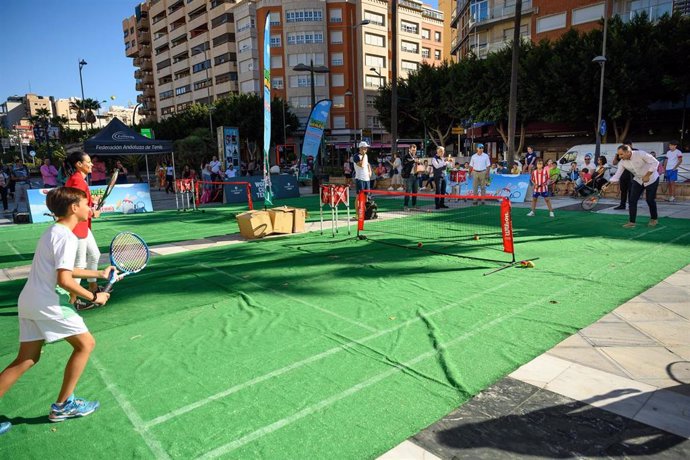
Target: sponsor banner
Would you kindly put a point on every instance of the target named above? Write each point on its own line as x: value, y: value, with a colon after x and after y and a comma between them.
x: 284, y: 186
x: 268, y: 191
x: 513, y: 186
x: 124, y: 199
x: 318, y: 121
x: 507, y: 227
x: 230, y: 146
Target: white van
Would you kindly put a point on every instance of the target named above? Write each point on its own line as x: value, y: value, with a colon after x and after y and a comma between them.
x: 577, y: 154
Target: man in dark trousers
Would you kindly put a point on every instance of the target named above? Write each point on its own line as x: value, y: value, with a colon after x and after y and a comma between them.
x: 439, y: 165
x: 625, y: 180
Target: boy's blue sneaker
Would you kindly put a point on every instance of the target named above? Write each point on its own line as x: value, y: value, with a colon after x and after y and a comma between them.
x: 73, y: 407
x: 5, y: 427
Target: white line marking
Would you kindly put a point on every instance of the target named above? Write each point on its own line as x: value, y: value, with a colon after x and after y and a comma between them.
x: 303, y: 302
x: 15, y: 250
x: 229, y: 447
x: 139, y: 425
x: 311, y: 359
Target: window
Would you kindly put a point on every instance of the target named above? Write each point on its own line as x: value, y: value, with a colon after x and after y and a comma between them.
x: 371, y: 100
x: 437, y: 55
x: 182, y: 74
x: 276, y: 62
x: 203, y: 84
x: 164, y: 80
x: 250, y: 86
x: 336, y: 59
x: 201, y: 66
x: 426, y: 34
x: 339, y: 122
x: 245, y: 45
x: 302, y: 38
x: 182, y: 89
x: 374, y: 81
x: 336, y: 15
x: 409, y: 27
x: 306, y: 15
x: 374, y: 122
x: 553, y: 22
x: 126, y: 33
x: 437, y: 36
x: 304, y: 81
x: 409, y: 66
x: 508, y: 33
x: 339, y: 101
x: 219, y: 40
x: 374, y: 40
x: 375, y: 18
x: 277, y: 83
x: 372, y: 60
x: 479, y: 10
x: 275, y: 18
x: 222, y: 19
x: 180, y: 57
x: 200, y: 48
x: 245, y: 24
x: 226, y: 77
x: 248, y: 65
x: 426, y: 52
x: 588, y: 14
x: 337, y: 79
x: 336, y: 37
x: 225, y: 57
x: 301, y: 102
x: 276, y: 41
x: 163, y: 64
x: 409, y: 47
x: 167, y: 110
x: 166, y: 94
x: 183, y: 106
x: 305, y: 58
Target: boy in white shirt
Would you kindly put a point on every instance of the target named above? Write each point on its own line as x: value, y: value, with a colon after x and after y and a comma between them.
x: 44, y: 312
x: 674, y: 158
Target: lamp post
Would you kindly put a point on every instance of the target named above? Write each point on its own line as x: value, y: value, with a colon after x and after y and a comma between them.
x: 134, y: 114
x: 82, y: 63
x: 311, y: 69
x: 204, y: 48
x: 601, y: 60
x: 355, y: 56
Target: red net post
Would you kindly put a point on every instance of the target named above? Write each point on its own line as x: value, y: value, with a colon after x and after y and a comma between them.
x: 361, y: 209
x: 249, y: 196
x: 507, y: 227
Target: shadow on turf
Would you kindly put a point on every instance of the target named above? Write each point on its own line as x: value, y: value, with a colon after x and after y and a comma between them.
x: 26, y: 421
x: 556, y: 427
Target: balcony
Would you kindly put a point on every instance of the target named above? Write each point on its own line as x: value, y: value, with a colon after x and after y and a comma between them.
x: 146, y: 64
x: 502, y: 13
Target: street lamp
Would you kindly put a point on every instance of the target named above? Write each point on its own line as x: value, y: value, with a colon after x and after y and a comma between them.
x: 199, y: 49
x: 311, y: 69
x: 355, y: 56
x: 82, y: 63
x: 601, y: 60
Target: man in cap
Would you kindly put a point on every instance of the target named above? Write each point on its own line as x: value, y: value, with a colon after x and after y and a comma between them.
x: 479, y: 166
x: 362, y: 168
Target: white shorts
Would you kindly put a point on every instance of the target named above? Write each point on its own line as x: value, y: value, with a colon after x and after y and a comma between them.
x: 50, y: 330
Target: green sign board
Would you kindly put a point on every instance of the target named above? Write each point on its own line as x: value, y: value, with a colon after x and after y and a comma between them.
x: 147, y: 132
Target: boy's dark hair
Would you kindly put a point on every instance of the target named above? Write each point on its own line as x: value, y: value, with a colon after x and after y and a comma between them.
x: 603, y: 159
x: 60, y: 199
x: 74, y: 158
x: 585, y: 170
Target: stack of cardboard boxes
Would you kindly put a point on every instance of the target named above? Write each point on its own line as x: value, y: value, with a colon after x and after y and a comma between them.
x: 257, y: 224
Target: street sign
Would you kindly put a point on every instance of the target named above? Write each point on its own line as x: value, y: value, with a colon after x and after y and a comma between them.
x: 458, y: 130
x: 32, y: 153
x: 602, y: 128
x: 146, y: 132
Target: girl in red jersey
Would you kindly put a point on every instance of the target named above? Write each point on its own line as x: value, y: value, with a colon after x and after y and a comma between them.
x: 540, y: 187
x: 87, y: 250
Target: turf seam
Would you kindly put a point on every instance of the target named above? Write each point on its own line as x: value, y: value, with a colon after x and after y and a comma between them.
x: 229, y: 447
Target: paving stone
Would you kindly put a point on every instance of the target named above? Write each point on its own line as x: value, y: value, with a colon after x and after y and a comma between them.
x: 667, y: 332
x: 644, y: 311
x: 590, y: 357
x: 642, y: 362
x: 613, y: 334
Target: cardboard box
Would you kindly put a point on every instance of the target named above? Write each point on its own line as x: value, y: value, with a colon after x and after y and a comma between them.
x: 255, y: 224
x: 299, y: 218
x: 282, y: 219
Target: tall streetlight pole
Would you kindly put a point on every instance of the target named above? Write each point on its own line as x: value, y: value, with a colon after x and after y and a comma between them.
x: 601, y: 60
x: 82, y: 63
x: 204, y: 48
x: 512, y: 102
x: 394, y: 77
x: 355, y: 56
x: 311, y: 69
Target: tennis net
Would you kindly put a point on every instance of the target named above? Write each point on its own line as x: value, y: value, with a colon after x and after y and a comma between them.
x: 466, y: 226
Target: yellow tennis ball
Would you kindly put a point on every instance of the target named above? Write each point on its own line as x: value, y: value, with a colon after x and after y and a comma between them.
x: 530, y: 264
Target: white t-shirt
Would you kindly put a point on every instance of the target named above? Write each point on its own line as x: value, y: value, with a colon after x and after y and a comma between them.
x: 639, y: 164
x: 480, y: 162
x: 363, y: 172
x: 56, y: 249
x: 215, y: 166
x: 672, y: 157
x: 169, y: 171
x: 230, y: 173
x: 591, y: 166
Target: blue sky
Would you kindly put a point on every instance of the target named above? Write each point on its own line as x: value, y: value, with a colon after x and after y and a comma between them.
x: 44, y: 40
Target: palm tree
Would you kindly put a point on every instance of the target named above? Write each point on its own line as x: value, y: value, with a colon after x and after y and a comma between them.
x: 79, y: 106
x: 90, y: 105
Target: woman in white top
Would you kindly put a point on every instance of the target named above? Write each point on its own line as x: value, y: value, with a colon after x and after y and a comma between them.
x: 396, y: 179
x: 644, y: 169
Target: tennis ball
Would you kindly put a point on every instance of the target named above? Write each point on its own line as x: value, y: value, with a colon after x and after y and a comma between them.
x: 476, y: 237
x: 419, y: 245
x: 530, y: 264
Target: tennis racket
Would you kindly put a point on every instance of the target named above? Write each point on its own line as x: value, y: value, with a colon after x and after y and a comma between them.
x: 590, y: 202
x: 129, y: 254
x: 108, y: 190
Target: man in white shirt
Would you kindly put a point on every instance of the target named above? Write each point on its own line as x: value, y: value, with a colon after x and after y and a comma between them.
x: 479, y: 166
x: 588, y: 163
x: 644, y: 169
x: 230, y: 172
x: 362, y: 168
x: 215, y: 168
x: 674, y: 158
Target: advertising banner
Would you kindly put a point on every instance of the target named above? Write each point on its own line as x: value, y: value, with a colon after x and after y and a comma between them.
x: 124, y: 199
x: 284, y: 186
x: 268, y: 192
x: 230, y: 142
x: 318, y: 120
x: 513, y: 186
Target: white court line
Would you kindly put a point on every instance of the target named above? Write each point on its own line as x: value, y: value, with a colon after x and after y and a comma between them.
x: 229, y: 447
x: 139, y: 425
x: 15, y: 250
x: 311, y: 359
x: 303, y: 302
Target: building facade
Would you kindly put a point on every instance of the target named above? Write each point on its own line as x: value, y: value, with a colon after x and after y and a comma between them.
x: 202, y: 50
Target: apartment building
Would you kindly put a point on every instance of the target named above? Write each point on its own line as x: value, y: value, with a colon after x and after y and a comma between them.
x: 34, y: 102
x: 482, y: 26
x: 202, y: 50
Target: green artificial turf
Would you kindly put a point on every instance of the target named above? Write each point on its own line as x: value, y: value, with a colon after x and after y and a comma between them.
x: 309, y: 346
